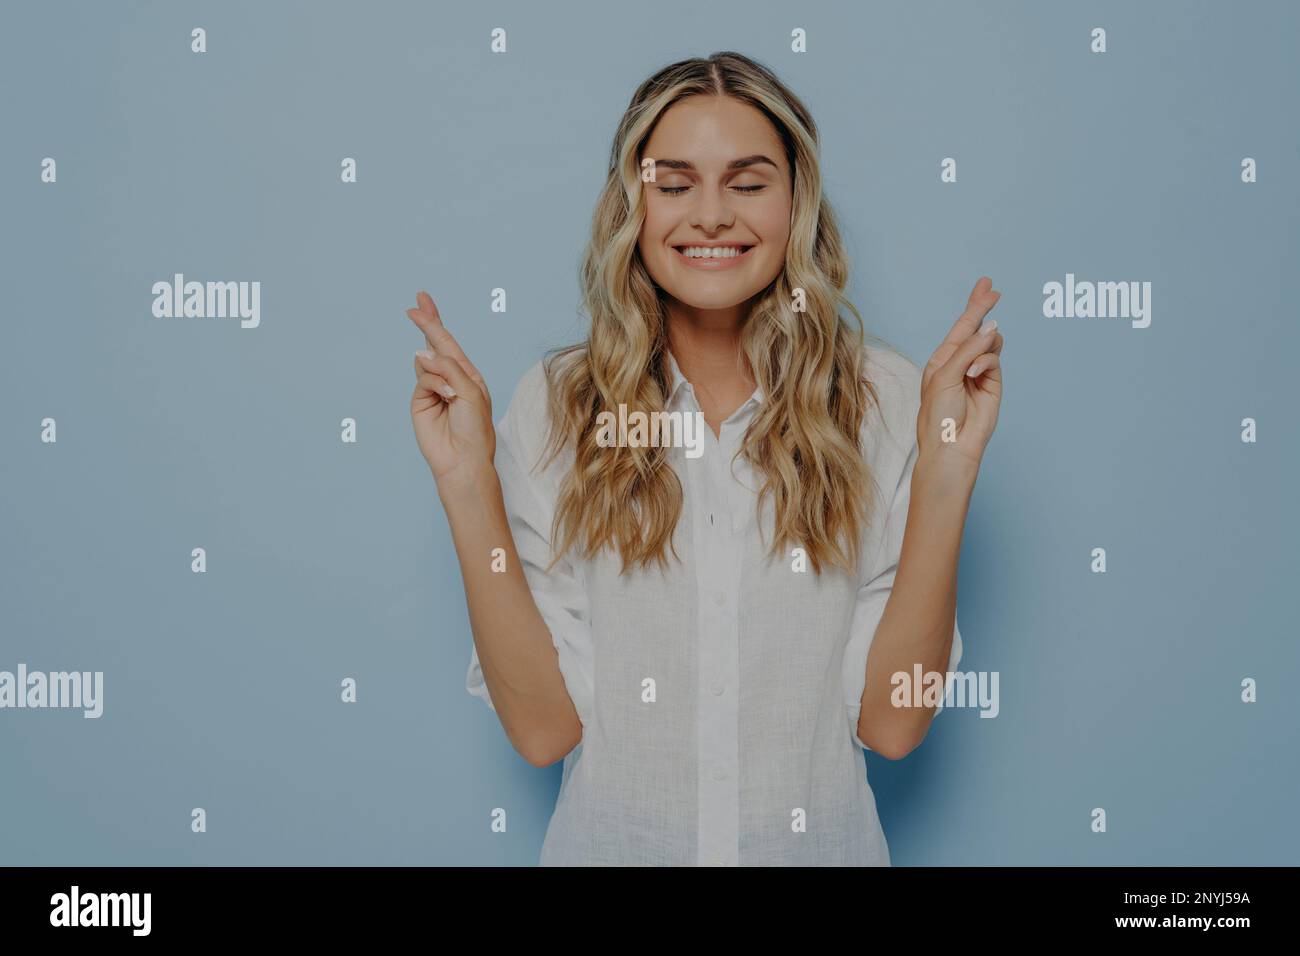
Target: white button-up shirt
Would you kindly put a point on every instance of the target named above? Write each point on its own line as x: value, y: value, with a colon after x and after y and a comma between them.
x: 719, y: 700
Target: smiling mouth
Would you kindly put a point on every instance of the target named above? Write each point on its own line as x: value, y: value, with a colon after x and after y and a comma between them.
x: 728, y: 253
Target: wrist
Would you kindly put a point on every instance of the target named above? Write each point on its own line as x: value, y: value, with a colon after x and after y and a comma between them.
x: 468, y: 482
x: 945, y: 471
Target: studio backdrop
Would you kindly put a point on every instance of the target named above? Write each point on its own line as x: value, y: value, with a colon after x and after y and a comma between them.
x: 220, y: 520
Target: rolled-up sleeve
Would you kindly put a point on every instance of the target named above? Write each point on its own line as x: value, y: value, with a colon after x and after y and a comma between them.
x: 879, y: 583
x: 529, y: 496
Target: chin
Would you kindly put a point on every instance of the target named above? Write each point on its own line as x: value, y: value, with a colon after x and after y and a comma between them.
x: 711, y: 300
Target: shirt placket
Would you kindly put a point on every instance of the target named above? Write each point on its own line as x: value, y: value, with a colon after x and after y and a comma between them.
x: 718, y: 579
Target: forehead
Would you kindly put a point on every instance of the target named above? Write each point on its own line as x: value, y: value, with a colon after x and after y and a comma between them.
x: 710, y: 131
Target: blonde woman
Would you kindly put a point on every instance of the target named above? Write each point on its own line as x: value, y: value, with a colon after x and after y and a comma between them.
x: 706, y: 629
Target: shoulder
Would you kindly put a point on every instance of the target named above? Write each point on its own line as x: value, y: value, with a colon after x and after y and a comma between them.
x: 525, y: 423
x: 896, y: 380
x: 530, y: 392
x: 525, y: 426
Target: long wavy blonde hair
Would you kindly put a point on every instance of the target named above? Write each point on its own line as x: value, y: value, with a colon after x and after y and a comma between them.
x: 804, y: 439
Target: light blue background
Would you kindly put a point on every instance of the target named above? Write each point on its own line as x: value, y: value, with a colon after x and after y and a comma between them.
x: 328, y: 560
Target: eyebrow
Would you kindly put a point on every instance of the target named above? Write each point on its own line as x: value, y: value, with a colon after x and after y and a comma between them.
x: 754, y: 160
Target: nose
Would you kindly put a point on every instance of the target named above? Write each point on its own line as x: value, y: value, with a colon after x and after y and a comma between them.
x: 711, y: 210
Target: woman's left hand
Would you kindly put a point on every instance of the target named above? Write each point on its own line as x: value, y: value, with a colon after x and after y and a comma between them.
x: 970, y: 400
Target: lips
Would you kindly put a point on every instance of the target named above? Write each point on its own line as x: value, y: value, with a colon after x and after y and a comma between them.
x: 743, y: 247
x: 710, y: 264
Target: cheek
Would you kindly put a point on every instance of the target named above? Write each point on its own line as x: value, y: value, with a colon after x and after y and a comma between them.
x: 651, y: 240
x: 773, y: 226
x: 772, y: 222
x: 656, y: 221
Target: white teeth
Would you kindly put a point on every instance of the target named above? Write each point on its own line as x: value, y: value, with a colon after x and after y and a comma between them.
x: 711, y: 252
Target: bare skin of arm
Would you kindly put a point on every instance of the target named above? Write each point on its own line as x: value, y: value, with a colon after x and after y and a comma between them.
x: 451, y: 411
x: 917, y: 625
x: 961, y: 390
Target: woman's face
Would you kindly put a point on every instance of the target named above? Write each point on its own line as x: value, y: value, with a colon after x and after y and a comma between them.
x: 698, y: 199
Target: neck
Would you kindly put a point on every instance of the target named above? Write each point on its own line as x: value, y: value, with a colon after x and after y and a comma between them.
x: 706, y: 345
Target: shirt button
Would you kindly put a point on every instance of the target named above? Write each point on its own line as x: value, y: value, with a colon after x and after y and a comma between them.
x: 719, y: 773
x: 717, y: 687
x: 719, y: 598
x: 718, y: 862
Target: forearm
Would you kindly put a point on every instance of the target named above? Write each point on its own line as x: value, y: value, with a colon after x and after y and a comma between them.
x: 519, y: 662
x: 917, y: 624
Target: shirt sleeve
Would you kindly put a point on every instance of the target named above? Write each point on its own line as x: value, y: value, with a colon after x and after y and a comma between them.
x: 529, y: 496
x: 874, y: 593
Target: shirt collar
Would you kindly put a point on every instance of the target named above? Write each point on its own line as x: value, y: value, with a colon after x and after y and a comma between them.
x: 679, y: 382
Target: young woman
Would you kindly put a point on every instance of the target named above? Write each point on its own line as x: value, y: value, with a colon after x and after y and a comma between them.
x: 704, y: 635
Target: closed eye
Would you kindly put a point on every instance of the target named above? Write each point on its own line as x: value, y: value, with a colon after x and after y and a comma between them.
x: 676, y: 190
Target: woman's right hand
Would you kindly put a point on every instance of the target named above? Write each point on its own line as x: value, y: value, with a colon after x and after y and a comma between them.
x: 451, y: 408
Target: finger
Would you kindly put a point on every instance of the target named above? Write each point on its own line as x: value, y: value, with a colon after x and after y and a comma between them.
x: 450, y: 369
x: 432, y: 380
x: 989, y: 362
x: 951, y: 372
x: 440, y: 339
x: 429, y: 319
x: 436, y: 386
x: 435, y: 334
x: 475, y: 379
x: 423, y: 401
x: 982, y: 299
x: 996, y: 346
x: 424, y: 365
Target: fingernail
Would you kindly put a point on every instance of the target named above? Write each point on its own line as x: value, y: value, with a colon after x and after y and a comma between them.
x: 989, y: 327
x: 446, y: 391
x: 426, y: 353
x: 973, y: 370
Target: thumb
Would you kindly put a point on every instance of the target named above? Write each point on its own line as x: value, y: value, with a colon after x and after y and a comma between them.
x: 450, y: 369
x: 953, y: 371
